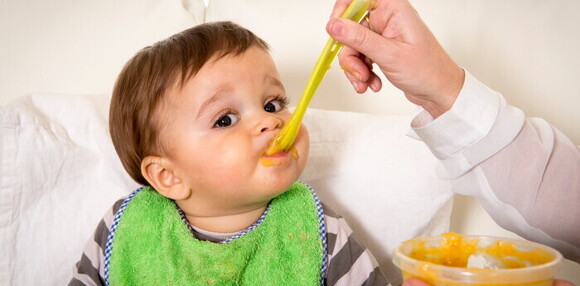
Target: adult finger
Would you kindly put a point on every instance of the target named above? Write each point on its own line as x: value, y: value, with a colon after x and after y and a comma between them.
x: 360, y: 38
x: 358, y: 86
x: 362, y: 76
x: 339, y: 8
x: 375, y: 82
x: 354, y: 62
x: 562, y: 283
x: 351, y: 61
x: 415, y: 282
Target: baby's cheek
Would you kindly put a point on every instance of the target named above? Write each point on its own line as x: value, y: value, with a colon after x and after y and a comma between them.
x: 303, y: 146
x: 231, y: 166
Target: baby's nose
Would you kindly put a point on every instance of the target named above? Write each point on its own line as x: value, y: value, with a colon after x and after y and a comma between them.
x: 269, y: 123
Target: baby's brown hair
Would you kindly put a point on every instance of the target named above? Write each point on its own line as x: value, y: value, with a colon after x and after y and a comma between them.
x: 134, y: 114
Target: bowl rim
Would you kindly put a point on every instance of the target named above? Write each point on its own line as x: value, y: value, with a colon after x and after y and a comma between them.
x: 526, y: 274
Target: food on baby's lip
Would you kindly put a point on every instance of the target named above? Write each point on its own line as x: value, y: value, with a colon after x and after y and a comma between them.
x: 279, y: 158
x: 454, y: 259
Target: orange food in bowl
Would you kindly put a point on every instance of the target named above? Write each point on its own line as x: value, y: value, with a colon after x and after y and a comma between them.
x: 454, y: 259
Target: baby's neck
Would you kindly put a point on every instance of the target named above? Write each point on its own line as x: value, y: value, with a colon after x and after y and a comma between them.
x: 226, y: 223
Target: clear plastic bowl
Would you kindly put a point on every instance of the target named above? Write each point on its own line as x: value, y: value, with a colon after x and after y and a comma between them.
x: 437, y: 273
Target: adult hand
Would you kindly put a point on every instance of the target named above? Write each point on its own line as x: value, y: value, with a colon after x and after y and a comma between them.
x: 396, y: 39
x: 417, y: 282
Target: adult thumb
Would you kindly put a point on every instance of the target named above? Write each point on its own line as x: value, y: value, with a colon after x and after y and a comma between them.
x: 415, y: 282
x: 358, y: 37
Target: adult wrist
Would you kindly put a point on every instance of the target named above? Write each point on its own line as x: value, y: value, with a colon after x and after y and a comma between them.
x: 445, y: 93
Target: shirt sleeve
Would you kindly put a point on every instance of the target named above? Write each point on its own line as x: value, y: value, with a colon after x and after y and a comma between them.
x: 89, y: 270
x: 525, y: 172
x: 350, y: 263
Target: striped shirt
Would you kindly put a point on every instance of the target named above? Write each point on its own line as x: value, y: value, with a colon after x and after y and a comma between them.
x: 350, y: 263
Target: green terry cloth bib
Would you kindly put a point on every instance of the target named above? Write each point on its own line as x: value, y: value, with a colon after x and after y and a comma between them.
x: 149, y: 244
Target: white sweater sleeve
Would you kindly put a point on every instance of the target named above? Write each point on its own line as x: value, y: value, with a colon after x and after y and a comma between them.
x: 525, y: 172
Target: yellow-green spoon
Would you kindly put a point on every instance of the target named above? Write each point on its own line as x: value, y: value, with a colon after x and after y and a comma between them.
x: 284, y: 140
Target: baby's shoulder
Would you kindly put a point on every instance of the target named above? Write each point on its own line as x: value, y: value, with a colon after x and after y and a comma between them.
x: 336, y: 225
x: 328, y: 211
x: 104, y: 226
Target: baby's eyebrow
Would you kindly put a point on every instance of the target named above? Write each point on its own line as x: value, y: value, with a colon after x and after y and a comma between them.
x: 274, y: 81
x: 217, y: 96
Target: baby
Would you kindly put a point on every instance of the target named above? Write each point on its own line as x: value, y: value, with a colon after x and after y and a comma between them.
x: 190, y: 119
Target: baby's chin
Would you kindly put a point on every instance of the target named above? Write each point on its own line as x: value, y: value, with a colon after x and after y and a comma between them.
x: 280, y: 185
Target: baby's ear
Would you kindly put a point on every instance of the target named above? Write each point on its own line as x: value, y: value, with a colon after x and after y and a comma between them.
x: 158, y: 172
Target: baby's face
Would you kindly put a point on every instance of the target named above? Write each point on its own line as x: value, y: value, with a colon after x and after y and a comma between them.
x: 218, y: 128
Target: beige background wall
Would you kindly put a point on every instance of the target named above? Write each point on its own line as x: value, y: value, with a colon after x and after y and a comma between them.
x: 526, y: 49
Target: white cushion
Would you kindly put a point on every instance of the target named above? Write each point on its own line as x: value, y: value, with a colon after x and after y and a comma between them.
x: 60, y: 174
x: 382, y: 181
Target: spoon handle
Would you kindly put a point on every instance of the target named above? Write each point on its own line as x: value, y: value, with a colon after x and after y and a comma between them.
x: 284, y: 140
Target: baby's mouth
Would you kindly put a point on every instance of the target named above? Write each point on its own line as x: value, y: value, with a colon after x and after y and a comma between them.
x: 278, y: 158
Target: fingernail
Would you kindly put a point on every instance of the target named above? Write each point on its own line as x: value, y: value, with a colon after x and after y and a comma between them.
x: 336, y: 28
x: 353, y: 73
x: 374, y: 86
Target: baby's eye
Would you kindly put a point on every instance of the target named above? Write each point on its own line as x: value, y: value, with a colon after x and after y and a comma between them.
x: 275, y: 105
x: 226, y: 120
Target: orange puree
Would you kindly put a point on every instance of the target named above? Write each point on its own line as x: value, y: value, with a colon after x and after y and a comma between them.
x: 454, y: 250
x: 269, y: 161
x: 444, y: 260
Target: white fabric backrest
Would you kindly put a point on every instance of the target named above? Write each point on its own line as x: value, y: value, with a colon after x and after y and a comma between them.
x: 381, y: 180
x: 59, y: 175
